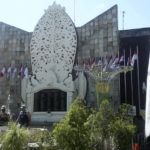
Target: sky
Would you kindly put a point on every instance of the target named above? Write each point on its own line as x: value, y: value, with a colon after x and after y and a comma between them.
x: 25, y: 14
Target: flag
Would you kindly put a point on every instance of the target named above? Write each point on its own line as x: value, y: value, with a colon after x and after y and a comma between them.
x: 15, y: 72
x: 106, y: 61
x: 3, y: 71
x: 26, y: 72
x: 129, y: 61
x: 20, y: 71
x: 77, y: 63
x: 110, y: 60
x: 93, y: 63
x: 83, y: 67
x: 9, y: 72
x: 100, y: 61
x: 89, y: 63
x: 121, y: 59
x: 83, y: 63
x: 114, y: 61
x: 134, y: 57
x: 105, y: 64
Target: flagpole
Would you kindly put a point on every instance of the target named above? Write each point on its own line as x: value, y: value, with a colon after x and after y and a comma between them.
x: 139, y: 100
x: 74, y: 12
x: 125, y: 82
x: 131, y: 82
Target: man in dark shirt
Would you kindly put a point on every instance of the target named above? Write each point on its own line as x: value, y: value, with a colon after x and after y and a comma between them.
x: 4, y: 117
x: 24, y: 117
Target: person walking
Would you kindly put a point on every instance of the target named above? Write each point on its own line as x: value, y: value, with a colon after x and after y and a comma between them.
x: 24, y: 117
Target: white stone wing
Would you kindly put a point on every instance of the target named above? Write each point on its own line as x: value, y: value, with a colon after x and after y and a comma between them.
x: 53, y: 45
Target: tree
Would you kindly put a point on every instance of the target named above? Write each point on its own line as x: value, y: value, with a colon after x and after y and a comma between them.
x: 84, y: 128
x: 100, y: 124
x: 122, y: 130
x: 72, y: 133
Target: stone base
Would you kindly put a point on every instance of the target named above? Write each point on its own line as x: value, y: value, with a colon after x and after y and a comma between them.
x: 46, y: 118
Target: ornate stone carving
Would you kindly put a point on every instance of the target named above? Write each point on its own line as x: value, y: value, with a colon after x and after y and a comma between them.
x: 53, y: 46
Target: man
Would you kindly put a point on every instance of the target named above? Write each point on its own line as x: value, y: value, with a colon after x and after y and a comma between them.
x: 4, y: 117
x: 24, y: 117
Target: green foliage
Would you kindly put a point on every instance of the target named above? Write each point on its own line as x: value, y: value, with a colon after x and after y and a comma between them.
x: 73, y: 132
x: 124, y: 113
x: 106, y: 117
x: 99, y: 122
x: 122, y: 133
x: 106, y: 124
x: 15, y: 138
x: 44, y: 139
x: 122, y: 128
x: 84, y: 128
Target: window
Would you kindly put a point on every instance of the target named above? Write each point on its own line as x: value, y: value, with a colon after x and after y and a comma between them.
x: 50, y: 100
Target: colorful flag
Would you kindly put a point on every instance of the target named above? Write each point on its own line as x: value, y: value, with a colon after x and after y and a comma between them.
x: 129, y: 61
x: 134, y: 57
x: 15, y: 72
x: 106, y: 61
x: 9, y: 72
x: 100, y: 61
x: 114, y: 61
x: 3, y: 71
x: 110, y: 60
x: 20, y: 71
x: 77, y: 63
x: 93, y: 63
x: 83, y: 67
x: 89, y: 63
x: 121, y: 59
x: 105, y: 64
x: 26, y: 72
x: 83, y: 63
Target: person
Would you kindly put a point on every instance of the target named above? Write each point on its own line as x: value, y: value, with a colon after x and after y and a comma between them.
x: 24, y: 117
x: 4, y: 117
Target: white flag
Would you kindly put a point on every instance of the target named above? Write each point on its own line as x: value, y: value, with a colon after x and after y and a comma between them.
x: 26, y: 72
x: 3, y: 71
x: 121, y: 59
x: 114, y: 61
x: 9, y: 72
x: 100, y: 61
x: 129, y: 61
x: 15, y: 72
x: 134, y: 57
x: 20, y: 71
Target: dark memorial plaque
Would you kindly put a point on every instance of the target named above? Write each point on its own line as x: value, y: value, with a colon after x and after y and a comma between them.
x: 50, y: 100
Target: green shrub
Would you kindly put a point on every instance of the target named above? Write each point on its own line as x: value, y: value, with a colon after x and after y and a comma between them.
x: 15, y: 138
x: 44, y: 139
x: 72, y: 133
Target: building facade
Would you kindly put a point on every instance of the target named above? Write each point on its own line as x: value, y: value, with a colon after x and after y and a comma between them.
x: 42, y: 92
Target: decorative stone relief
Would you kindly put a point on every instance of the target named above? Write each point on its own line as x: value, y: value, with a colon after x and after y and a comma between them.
x: 53, y: 49
x: 53, y: 46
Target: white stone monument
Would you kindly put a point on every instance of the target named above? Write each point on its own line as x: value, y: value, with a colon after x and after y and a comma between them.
x: 53, y: 50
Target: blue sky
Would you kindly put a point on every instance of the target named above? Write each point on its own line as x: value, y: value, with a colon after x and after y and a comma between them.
x: 25, y: 14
